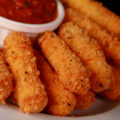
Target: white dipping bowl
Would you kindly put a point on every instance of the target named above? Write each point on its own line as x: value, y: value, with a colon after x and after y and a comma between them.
x: 31, y: 30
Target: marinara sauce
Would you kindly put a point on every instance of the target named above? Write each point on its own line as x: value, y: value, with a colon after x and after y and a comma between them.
x: 29, y: 11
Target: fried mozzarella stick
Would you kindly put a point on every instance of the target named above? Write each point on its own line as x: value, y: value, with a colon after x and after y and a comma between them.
x: 90, y: 53
x: 71, y: 72
x: 97, y: 12
x: 60, y: 101
x: 5, y: 79
x: 29, y: 92
x: 84, y: 102
x: 110, y: 45
x: 114, y: 92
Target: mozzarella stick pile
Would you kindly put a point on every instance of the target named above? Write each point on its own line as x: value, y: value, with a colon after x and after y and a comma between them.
x: 90, y: 53
x: 70, y: 70
x: 66, y: 81
x: 29, y: 92
x: 69, y: 66
x: 98, y: 13
x: 5, y: 79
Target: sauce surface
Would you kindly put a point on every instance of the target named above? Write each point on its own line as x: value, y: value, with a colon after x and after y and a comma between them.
x: 29, y: 11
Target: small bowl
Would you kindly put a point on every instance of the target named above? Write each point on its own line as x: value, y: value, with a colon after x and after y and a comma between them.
x: 31, y: 30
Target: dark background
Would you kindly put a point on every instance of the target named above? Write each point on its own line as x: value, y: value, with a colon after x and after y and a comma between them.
x: 112, y: 4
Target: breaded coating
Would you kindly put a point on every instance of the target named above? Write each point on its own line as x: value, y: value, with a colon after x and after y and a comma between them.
x: 90, y: 53
x: 84, y: 102
x: 29, y: 93
x: 97, y: 12
x: 114, y: 92
x: 110, y: 45
x: 5, y: 79
x: 60, y: 101
x: 71, y: 72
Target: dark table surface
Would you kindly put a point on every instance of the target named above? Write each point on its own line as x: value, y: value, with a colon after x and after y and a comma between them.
x: 112, y: 4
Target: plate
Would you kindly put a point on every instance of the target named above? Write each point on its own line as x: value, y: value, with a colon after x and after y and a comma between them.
x: 101, y: 110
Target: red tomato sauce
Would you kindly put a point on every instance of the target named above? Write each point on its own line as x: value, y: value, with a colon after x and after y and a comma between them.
x: 29, y: 11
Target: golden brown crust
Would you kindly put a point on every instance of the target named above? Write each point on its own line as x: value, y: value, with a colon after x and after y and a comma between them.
x: 84, y: 102
x: 60, y: 101
x: 71, y: 72
x: 97, y: 12
x: 90, y: 53
x: 110, y: 45
x: 114, y: 92
x: 29, y: 92
x: 5, y: 79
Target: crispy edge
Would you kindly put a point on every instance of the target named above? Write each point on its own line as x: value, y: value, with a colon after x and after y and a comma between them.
x: 114, y: 92
x: 5, y: 79
x: 84, y: 102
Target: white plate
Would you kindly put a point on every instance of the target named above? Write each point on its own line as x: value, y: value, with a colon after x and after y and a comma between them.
x: 101, y: 110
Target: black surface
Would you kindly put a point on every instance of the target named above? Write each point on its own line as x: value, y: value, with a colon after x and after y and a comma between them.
x: 112, y: 4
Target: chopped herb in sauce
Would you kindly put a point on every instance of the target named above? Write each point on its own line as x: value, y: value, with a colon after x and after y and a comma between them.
x: 21, y: 8
x: 26, y: 3
x: 101, y: 85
